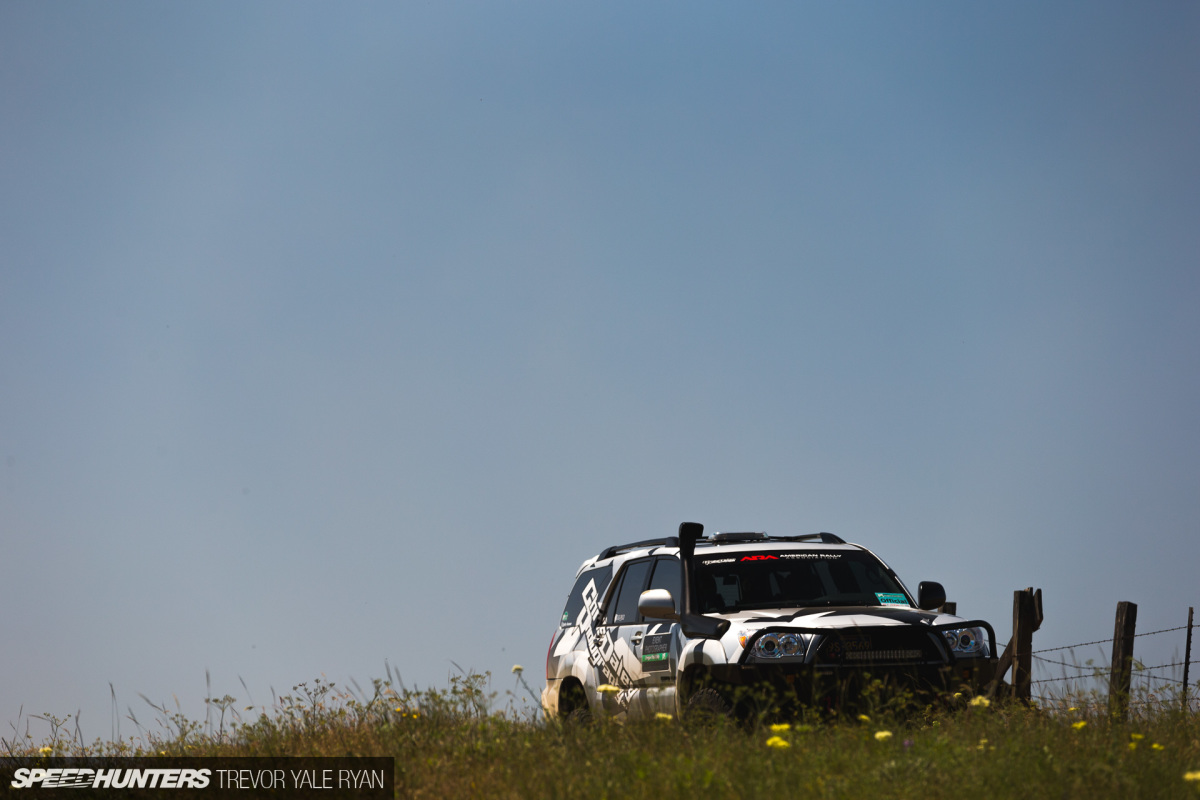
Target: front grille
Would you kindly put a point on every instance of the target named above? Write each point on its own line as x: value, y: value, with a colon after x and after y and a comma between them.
x: 860, y: 646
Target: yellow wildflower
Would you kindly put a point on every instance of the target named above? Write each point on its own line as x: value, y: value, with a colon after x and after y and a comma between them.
x: 607, y: 688
x: 46, y: 750
x: 664, y: 716
x: 882, y: 736
x: 863, y: 718
x: 518, y: 669
x: 1157, y: 746
x: 1133, y: 745
x: 781, y: 727
x: 1192, y: 776
x: 1079, y: 725
x: 778, y: 742
x: 1137, y: 737
x: 979, y: 701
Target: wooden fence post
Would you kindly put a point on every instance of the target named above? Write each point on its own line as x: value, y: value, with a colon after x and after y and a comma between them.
x: 1187, y: 659
x: 1121, y: 676
x: 1024, y: 620
x: 1027, y: 618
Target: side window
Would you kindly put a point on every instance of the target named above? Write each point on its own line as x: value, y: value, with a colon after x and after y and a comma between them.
x: 623, y: 610
x: 588, y: 592
x: 666, y: 576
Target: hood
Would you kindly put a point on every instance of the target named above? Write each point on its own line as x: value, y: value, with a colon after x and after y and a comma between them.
x: 813, y: 620
x: 838, y: 617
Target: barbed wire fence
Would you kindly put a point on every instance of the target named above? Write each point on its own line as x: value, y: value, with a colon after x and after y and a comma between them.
x: 1089, y: 686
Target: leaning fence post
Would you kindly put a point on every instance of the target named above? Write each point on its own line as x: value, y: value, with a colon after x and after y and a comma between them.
x: 1120, y: 678
x: 1187, y: 659
x: 1024, y: 616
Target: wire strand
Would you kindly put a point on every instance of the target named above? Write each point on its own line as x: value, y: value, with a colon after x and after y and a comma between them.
x: 1072, y: 646
x: 1164, y: 630
x: 1064, y: 663
x: 1067, y: 678
x: 1108, y: 641
x: 1164, y: 666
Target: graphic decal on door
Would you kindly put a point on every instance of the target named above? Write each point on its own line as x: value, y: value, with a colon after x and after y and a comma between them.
x: 601, y: 642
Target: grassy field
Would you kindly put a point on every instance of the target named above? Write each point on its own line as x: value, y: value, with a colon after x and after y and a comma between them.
x: 455, y: 743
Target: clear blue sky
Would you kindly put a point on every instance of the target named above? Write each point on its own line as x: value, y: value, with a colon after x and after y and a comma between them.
x: 334, y: 334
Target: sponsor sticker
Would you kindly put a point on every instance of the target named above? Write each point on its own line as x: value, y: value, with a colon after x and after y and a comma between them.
x: 656, y: 652
x: 891, y: 599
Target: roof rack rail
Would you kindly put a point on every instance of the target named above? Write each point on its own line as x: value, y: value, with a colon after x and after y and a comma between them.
x: 824, y: 537
x: 748, y: 538
x: 609, y: 552
x: 739, y: 536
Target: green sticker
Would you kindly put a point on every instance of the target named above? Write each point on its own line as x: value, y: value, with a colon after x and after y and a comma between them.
x: 891, y: 599
x: 654, y: 657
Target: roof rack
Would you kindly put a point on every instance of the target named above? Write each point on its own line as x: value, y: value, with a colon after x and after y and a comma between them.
x: 739, y: 536
x: 609, y: 552
x: 731, y: 538
x: 721, y: 538
x: 824, y: 537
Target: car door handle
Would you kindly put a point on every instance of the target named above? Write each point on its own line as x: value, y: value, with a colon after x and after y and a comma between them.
x: 637, y: 638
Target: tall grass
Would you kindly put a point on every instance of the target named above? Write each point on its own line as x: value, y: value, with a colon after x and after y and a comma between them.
x: 467, y: 740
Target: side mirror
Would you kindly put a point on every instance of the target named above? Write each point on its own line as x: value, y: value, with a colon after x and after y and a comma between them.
x: 931, y: 595
x: 657, y: 604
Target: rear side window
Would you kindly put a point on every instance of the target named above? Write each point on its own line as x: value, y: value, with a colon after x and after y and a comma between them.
x: 588, y: 591
x: 624, y: 611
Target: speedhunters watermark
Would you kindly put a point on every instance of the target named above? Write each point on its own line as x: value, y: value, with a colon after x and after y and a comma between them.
x: 114, y: 778
x: 208, y: 777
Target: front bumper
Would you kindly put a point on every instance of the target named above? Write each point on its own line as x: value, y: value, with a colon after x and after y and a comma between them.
x: 846, y: 667
x: 811, y: 681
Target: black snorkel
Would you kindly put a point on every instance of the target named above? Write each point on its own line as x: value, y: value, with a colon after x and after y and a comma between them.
x: 693, y: 624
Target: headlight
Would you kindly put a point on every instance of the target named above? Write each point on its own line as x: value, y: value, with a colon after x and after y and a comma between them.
x: 779, y: 645
x: 967, y: 641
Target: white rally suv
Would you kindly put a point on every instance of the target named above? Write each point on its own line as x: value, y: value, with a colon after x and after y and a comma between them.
x: 691, y: 623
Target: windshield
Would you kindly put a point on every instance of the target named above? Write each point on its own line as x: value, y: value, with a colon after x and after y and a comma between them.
x: 793, y: 579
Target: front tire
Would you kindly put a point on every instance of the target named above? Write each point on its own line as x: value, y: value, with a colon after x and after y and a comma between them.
x: 707, y: 706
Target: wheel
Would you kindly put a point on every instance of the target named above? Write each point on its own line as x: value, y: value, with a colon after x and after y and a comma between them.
x: 578, y: 717
x: 707, y: 705
x: 573, y: 705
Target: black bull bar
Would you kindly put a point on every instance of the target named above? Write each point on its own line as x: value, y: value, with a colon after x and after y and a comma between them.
x: 840, y: 664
